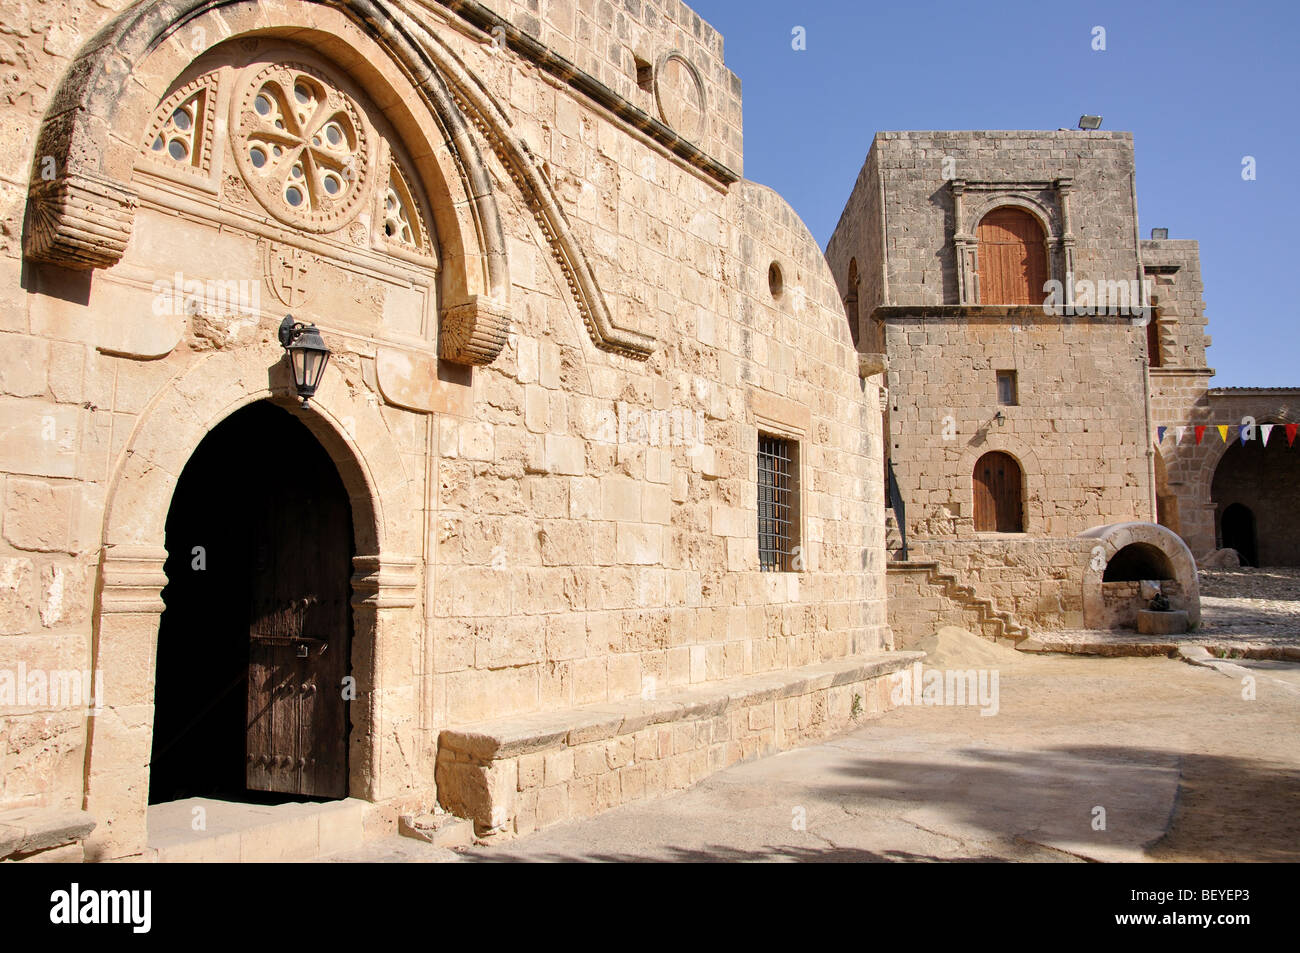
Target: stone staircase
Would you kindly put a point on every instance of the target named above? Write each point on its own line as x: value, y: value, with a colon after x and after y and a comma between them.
x: 893, y: 537
x: 976, y: 613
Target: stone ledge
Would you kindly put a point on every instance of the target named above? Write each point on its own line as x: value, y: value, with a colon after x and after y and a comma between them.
x: 26, y: 831
x: 513, y: 775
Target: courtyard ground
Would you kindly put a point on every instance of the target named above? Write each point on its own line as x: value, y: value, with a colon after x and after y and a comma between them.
x: 1088, y: 758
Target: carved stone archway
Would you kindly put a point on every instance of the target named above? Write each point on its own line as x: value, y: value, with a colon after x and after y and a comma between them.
x: 82, y: 216
x: 385, y: 581
x: 1108, y: 540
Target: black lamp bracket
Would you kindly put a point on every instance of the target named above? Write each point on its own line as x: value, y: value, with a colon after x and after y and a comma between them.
x: 290, y: 329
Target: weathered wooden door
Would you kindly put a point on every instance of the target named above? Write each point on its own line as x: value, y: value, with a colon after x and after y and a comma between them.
x: 299, y: 635
x: 997, y: 494
x: 1012, y: 258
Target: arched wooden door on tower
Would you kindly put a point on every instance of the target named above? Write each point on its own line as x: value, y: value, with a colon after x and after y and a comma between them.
x: 998, y: 503
x: 1012, y: 258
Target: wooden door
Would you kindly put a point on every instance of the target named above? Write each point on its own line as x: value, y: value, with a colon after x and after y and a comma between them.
x: 1012, y: 258
x: 997, y: 486
x: 299, y: 634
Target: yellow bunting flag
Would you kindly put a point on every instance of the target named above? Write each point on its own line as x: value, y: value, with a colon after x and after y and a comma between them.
x: 1223, y: 432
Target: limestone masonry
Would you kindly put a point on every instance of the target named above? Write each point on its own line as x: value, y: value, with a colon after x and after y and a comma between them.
x: 591, y: 498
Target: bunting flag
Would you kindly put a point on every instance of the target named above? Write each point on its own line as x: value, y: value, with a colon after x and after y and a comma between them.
x: 1242, y: 432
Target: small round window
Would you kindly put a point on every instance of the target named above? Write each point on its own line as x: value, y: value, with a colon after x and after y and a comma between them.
x: 775, y: 282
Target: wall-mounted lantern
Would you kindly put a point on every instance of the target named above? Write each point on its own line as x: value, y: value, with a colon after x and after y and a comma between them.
x: 308, y: 355
x: 999, y: 417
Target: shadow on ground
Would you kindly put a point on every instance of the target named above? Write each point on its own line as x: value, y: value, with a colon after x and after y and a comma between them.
x: 1160, y: 804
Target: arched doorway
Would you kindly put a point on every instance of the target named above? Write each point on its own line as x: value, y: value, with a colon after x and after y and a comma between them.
x: 1012, y: 257
x: 1237, y: 529
x: 997, y: 484
x: 254, y: 644
x: 1260, y: 479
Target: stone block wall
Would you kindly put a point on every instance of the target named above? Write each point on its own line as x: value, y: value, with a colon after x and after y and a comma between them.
x: 1038, y: 582
x: 860, y: 237
x: 1082, y: 447
x: 1173, y: 268
x: 569, y: 523
x: 911, y: 173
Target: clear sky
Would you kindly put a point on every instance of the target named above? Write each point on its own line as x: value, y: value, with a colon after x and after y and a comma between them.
x: 1200, y: 85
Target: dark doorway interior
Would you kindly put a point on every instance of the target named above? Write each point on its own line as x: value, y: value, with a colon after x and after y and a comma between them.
x: 259, y: 543
x: 1262, y: 479
x: 1238, y: 531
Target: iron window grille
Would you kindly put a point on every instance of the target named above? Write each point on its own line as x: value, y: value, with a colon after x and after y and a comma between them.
x: 776, y: 503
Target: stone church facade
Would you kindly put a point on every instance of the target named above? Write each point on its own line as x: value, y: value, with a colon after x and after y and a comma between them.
x: 1042, y: 362
x: 587, y: 504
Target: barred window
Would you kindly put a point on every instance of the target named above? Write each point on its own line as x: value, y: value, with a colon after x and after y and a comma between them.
x: 777, y: 503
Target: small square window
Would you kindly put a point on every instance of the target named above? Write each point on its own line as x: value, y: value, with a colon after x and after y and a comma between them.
x: 778, y: 503
x: 1008, y: 395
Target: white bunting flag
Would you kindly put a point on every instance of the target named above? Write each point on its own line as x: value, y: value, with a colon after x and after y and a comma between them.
x: 1178, y: 434
x: 1264, y: 431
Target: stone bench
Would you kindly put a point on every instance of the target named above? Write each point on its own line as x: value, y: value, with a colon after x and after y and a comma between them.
x: 44, y: 834
x: 515, y: 775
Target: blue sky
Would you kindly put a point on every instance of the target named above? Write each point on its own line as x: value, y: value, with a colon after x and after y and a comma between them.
x: 1200, y: 85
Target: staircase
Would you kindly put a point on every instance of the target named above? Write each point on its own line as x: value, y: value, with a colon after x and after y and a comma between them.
x: 908, y: 583
x: 893, y: 537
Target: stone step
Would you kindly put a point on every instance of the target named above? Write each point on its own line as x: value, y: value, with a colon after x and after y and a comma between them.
x: 440, y: 830
x: 207, y: 830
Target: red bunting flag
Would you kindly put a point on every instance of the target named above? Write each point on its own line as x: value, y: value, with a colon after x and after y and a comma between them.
x: 1200, y: 432
x: 1290, y: 434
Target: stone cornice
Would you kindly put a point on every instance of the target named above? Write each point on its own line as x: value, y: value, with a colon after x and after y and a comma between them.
x: 558, y: 66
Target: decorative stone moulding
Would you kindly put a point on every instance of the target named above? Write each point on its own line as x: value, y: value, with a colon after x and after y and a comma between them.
x: 79, y: 220
x: 303, y: 147
x: 679, y: 94
x: 473, y: 332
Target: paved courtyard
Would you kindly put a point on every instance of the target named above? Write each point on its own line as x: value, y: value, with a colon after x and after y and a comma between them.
x: 1182, y: 761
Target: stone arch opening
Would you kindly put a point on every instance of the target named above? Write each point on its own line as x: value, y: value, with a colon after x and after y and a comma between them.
x: 255, y: 642
x: 1259, y: 480
x: 1137, y: 562
x: 1237, y: 531
x: 1012, y: 250
x: 1118, y: 557
x: 385, y: 576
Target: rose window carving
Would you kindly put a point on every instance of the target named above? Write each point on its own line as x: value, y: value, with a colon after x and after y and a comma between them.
x: 303, y: 147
